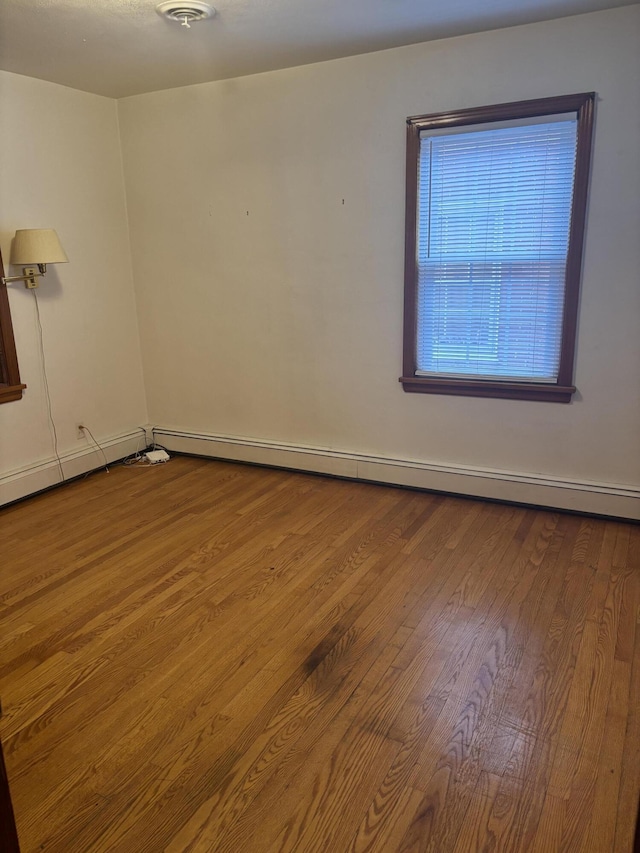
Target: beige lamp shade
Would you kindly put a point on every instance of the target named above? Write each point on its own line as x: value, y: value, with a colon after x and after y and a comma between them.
x: 37, y: 246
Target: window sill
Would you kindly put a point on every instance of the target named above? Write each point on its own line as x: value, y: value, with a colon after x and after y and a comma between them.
x: 540, y: 392
x: 9, y: 393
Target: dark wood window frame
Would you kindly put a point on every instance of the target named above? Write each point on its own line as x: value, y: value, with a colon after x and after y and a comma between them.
x: 562, y: 390
x: 10, y: 386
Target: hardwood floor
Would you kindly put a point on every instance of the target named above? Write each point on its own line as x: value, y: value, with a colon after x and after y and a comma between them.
x: 204, y: 657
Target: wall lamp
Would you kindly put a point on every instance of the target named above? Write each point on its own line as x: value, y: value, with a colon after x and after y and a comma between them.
x: 39, y: 246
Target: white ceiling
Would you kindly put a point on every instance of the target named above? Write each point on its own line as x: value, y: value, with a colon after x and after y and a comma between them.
x: 122, y: 47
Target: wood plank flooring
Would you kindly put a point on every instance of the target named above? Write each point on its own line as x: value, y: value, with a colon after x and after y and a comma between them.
x: 204, y: 656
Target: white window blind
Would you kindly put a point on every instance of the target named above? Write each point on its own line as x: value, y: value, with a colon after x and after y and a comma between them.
x: 494, y: 208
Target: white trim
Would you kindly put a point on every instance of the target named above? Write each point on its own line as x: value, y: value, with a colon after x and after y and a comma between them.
x: 33, y: 478
x: 614, y: 499
x: 600, y: 498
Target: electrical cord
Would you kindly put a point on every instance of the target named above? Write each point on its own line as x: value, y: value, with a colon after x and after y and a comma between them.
x: 155, y: 445
x: 133, y: 458
x: 104, y: 456
x: 138, y: 457
x: 52, y: 425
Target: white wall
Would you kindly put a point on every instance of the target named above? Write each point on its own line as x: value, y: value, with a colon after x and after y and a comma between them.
x: 271, y: 309
x: 267, y: 228
x: 60, y: 167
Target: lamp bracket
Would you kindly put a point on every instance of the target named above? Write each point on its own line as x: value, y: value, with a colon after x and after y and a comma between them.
x: 29, y: 276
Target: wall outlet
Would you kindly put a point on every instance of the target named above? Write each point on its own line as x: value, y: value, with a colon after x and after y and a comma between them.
x: 80, y: 433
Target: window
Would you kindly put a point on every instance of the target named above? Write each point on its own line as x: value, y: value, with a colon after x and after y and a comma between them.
x: 496, y: 202
x: 10, y: 386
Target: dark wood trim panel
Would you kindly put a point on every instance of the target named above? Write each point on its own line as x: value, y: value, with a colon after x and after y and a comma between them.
x: 540, y: 391
x: 504, y: 112
x: 10, y: 386
x: 561, y: 392
x: 8, y: 831
x: 576, y: 238
x: 9, y: 393
x: 410, y: 250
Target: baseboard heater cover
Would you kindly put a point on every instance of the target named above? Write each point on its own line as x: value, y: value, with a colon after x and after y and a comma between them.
x: 610, y: 499
x: 44, y: 474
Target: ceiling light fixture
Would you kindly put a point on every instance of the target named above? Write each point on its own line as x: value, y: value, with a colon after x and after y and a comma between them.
x: 185, y: 13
